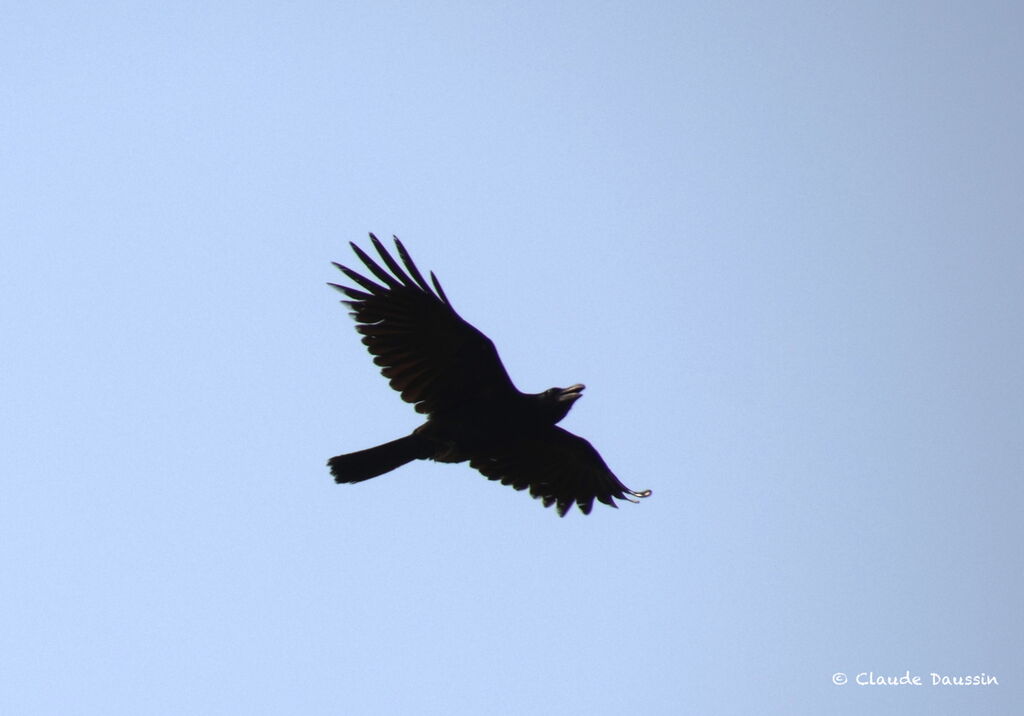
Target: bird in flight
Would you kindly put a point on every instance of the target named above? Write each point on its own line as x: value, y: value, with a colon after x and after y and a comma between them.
x: 451, y: 372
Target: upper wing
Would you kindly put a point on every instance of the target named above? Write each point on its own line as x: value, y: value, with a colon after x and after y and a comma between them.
x: 430, y: 355
x: 559, y: 468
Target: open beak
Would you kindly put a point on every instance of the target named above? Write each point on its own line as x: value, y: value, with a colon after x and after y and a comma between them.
x: 572, y: 393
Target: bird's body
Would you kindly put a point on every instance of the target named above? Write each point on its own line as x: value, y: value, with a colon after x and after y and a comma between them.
x: 452, y: 372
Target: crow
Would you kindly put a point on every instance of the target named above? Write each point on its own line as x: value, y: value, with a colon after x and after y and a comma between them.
x: 451, y: 372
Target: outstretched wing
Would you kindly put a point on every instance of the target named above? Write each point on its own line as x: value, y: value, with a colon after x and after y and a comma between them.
x: 428, y: 353
x: 559, y: 468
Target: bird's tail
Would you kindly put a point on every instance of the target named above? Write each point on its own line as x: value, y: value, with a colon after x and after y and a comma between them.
x: 362, y: 465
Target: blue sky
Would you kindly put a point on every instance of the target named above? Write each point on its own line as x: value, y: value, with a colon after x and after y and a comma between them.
x: 781, y: 243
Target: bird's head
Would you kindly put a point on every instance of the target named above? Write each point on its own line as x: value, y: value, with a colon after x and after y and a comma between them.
x: 557, y: 401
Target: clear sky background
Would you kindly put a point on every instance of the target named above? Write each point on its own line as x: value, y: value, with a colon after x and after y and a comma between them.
x: 781, y: 243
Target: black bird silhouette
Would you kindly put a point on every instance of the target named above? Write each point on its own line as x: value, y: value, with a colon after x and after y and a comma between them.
x: 452, y: 373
